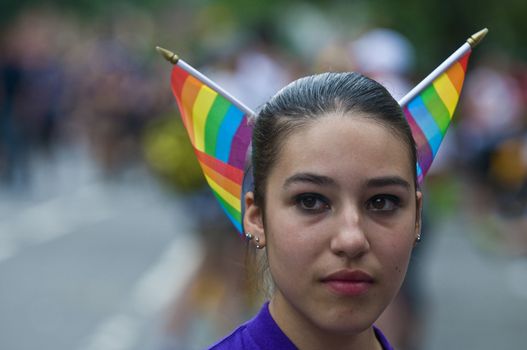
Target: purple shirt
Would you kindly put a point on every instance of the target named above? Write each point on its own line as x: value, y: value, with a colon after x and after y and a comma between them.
x: 262, y: 333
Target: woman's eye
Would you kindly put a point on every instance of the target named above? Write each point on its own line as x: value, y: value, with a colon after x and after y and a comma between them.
x: 312, y: 202
x: 384, y: 203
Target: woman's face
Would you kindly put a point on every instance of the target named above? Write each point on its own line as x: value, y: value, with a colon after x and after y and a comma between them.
x: 341, y: 218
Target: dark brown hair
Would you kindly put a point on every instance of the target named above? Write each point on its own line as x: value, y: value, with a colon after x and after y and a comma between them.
x: 312, y: 97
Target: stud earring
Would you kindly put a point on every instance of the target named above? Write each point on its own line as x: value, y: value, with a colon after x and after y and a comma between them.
x: 418, y: 238
x: 249, y: 236
x: 258, y: 246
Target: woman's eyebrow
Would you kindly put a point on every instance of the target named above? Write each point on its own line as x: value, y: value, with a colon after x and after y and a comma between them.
x: 309, y: 178
x: 388, y: 181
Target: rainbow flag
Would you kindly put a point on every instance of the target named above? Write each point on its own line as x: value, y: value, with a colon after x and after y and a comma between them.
x: 429, y: 113
x: 220, y: 134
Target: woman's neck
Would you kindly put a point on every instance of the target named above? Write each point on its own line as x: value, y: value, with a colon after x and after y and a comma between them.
x: 308, y: 336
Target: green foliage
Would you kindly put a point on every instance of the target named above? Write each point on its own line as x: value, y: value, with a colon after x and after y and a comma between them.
x: 435, y: 27
x: 170, y: 155
x: 83, y: 8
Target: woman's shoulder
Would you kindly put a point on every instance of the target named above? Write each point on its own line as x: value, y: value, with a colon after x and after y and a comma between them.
x: 260, y: 333
x: 382, y: 339
x: 240, y: 338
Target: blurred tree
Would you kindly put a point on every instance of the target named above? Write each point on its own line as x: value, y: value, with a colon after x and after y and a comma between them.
x: 169, y: 154
x: 436, y: 27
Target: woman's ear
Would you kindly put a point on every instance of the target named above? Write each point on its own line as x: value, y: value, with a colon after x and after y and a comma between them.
x: 418, y: 214
x: 253, y: 220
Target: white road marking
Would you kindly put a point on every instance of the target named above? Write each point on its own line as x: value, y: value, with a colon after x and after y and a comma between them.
x: 517, y: 277
x: 52, y: 219
x: 7, y: 247
x: 162, y: 283
x: 116, y: 333
x: 62, y: 215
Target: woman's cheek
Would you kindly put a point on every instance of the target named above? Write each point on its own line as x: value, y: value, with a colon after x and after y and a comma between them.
x: 292, y: 249
x: 398, y: 257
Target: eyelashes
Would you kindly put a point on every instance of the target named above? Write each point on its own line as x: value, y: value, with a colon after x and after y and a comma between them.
x: 383, y: 203
x: 314, y: 203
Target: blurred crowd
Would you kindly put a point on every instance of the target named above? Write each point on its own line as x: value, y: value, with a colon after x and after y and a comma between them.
x: 68, y: 82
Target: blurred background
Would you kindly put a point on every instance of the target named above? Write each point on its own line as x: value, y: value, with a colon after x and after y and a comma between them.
x: 109, y: 238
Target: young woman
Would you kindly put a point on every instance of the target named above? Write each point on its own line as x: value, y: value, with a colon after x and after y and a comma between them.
x: 336, y: 209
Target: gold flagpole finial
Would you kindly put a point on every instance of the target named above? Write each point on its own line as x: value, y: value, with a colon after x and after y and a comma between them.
x: 168, y: 55
x: 477, y: 37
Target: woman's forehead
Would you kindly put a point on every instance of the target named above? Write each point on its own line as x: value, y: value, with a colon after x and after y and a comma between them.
x: 345, y: 146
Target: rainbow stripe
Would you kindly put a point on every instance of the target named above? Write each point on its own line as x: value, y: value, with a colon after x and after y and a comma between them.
x: 430, y: 112
x: 220, y: 134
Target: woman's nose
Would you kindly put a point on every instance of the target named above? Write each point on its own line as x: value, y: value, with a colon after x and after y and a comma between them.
x: 349, y: 239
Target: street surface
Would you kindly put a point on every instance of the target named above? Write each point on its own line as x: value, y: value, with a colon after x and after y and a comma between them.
x: 91, y: 264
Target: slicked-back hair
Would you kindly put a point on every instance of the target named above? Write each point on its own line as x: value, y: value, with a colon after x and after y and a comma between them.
x: 309, y: 98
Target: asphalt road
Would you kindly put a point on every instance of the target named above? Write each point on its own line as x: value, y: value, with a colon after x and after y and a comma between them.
x: 90, y: 264
x: 87, y: 263
x: 477, y: 299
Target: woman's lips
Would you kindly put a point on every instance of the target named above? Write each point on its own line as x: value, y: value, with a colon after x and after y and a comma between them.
x: 348, y: 282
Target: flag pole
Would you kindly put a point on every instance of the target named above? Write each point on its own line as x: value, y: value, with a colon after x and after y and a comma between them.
x: 174, y: 59
x: 471, y: 42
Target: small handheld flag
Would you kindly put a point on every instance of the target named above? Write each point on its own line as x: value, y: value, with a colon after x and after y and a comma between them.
x: 429, y: 106
x: 219, y: 130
